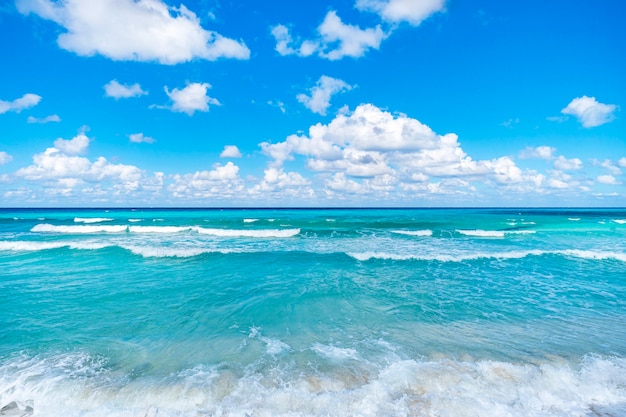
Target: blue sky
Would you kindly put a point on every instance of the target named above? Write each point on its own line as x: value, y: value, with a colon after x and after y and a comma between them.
x: 313, y: 103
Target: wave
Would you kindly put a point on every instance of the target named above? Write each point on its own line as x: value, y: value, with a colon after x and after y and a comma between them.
x: 619, y: 221
x: 34, y: 246
x: 493, y: 233
x: 250, y: 220
x: 413, y: 232
x: 252, y: 233
x: 92, y: 219
x: 263, y: 233
x: 49, y: 228
x: 574, y: 253
x: 80, y: 385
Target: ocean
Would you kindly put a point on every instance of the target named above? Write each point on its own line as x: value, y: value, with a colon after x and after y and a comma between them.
x: 313, y: 312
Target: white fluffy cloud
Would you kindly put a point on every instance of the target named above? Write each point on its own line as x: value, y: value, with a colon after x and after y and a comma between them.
x: 564, y: 164
x: 221, y: 182
x: 607, y: 179
x: 140, y: 138
x: 144, y: 30
x: 230, y: 151
x: 19, y: 104
x: 374, y: 151
x: 5, y: 158
x: 116, y: 90
x: 48, y: 119
x: 62, y: 170
x: 335, y: 40
x: 191, y: 98
x: 320, y: 95
x: 540, y: 152
x: 394, y: 11
x: 590, y: 112
x: 75, y: 146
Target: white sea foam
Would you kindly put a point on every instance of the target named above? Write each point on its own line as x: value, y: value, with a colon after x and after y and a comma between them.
x: 619, y: 221
x: 494, y: 233
x: 595, y: 255
x: 49, y: 228
x: 263, y: 233
x: 92, y: 219
x: 159, y: 229
x: 80, y: 385
x: 366, y: 256
x: 334, y: 352
x: 250, y: 220
x: 135, y: 220
x: 413, y: 232
x: 169, y: 252
x: 482, y: 233
x: 575, y: 253
x: 573, y: 219
x: 273, y: 346
x: 34, y: 246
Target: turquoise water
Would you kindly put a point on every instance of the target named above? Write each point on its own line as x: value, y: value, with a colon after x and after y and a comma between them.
x: 369, y: 312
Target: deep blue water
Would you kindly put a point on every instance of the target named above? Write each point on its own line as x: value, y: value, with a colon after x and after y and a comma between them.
x: 297, y: 312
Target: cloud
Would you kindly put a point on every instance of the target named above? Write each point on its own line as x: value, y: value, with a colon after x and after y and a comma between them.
x: 609, y: 166
x: 278, y: 104
x: 62, y: 170
x: 395, y: 11
x: 622, y: 162
x: 373, y: 151
x: 146, y: 30
x: 222, y: 182
x: 335, y: 40
x: 607, y: 179
x: 140, y: 138
x: 191, y: 98
x: 319, y: 100
x: 564, y: 164
x: 48, y: 119
x: 75, y: 146
x: 540, y: 152
x: 19, y: 104
x: 116, y: 90
x: 5, y: 158
x: 589, y: 111
x: 230, y: 151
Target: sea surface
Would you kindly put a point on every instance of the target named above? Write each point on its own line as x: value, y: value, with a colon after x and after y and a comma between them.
x: 313, y: 312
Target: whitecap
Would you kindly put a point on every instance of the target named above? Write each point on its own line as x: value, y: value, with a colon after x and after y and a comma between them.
x: 261, y: 233
x: 334, y: 352
x: 250, y: 220
x: 482, y: 233
x: 49, y: 228
x: 92, y: 219
x: 619, y: 221
x: 413, y: 232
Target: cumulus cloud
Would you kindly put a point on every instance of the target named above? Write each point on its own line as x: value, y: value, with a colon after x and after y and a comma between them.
x: 607, y: 179
x: 19, y: 104
x: 63, y: 170
x: 564, y: 164
x: 116, y: 90
x: 221, y: 182
x: 319, y: 99
x: 140, y: 138
x: 540, y: 152
x: 145, y: 30
x: 48, y: 119
x: 589, y: 111
x: 230, y: 151
x: 335, y: 40
x: 622, y: 162
x: 191, y: 98
x: 373, y: 151
x: 395, y: 11
x: 5, y: 158
x: 75, y: 146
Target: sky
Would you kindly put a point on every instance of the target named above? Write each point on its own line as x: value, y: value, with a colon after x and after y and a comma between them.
x: 325, y: 103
